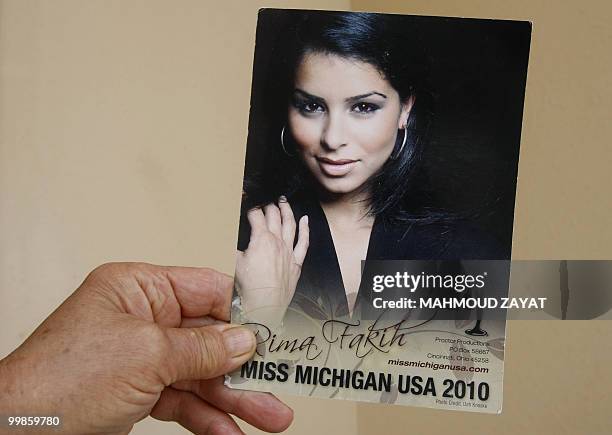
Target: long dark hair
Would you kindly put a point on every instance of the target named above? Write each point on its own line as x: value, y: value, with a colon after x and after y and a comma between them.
x: 398, y: 191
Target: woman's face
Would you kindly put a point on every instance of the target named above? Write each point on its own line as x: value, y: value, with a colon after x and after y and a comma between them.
x: 344, y: 116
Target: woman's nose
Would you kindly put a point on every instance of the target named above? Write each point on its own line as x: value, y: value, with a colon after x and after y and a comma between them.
x: 333, y: 135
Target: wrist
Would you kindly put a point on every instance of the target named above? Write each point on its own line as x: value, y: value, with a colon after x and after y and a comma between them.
x: 11, y: 385
x: 12, y: 397
x: 24, y: 395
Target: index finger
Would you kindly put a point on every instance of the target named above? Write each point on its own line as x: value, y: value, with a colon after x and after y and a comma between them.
x: 262, y: 410
x: 257, y: 220
x: 201, y: 291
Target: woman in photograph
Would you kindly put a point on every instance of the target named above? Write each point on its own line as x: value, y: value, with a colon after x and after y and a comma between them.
x: 347, y: 110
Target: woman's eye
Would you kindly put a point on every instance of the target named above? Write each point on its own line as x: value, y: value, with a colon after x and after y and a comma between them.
x: 365, y: 108
x: 310, y: 107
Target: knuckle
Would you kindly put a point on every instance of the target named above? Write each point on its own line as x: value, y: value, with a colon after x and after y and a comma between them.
x: 104, y: 270
x: 105, y: 276
x: 211, y: 351
x: 273, y: 208
x: 118, y: 269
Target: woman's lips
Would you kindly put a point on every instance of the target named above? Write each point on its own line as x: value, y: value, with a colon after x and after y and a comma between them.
x: 336, y: 168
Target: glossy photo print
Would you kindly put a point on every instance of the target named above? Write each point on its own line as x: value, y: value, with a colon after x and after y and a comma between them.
x: 382, y: 151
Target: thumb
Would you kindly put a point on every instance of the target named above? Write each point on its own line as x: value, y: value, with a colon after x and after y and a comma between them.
x: 209, y: 351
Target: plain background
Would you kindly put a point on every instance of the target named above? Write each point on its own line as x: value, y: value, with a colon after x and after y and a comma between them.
x: 122, y: 134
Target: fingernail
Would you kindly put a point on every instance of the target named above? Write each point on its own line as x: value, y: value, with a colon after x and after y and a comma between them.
x: 282, y: 198
x: 238, y: 340
x: 306, y: 219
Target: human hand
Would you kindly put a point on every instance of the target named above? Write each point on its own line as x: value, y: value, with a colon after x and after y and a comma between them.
x: 267, y: 272
x: 137, y: 339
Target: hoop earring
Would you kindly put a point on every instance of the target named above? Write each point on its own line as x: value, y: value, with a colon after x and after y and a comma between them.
x: 403, y: 143
x: 282, y: 138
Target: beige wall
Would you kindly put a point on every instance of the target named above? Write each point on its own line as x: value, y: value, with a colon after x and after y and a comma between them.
x: 122, y: 134
x: 122, y: 137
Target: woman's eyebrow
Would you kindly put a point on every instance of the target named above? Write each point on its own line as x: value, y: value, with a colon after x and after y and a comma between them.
x: 309, y: 96
x: 348, y: 100
x: 359, y: 97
